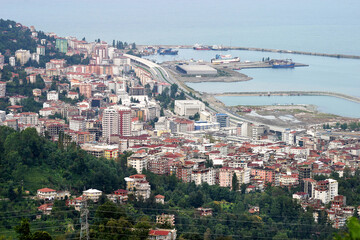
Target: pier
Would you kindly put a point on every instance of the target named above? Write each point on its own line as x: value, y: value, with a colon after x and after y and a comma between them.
x: 291, y: 93
x: 334, y: 55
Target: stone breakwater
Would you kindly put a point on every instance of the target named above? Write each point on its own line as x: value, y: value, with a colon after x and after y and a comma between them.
x: 292, y: 93
x: 335, y: 55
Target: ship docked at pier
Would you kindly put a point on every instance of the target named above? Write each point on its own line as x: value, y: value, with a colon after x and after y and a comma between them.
x: 201, y: 47
x: 220, y: 59
x: 281, y: 63
x: 168, y: 51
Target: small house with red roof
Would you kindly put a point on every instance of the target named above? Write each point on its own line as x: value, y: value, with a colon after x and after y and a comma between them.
x: 160, y: 199
x: 46, y: 208
x: 162, y: 234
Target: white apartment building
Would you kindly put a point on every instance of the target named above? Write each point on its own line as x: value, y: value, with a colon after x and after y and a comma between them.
x: 77, y: 123
x: 2, y: 89
x: 23, y: 56
x: 138, y: 161
x: 92, y: 194
x: 28, y: 118
x: 188, y: 107
x: 326, y: 190
x: 200, y: 176
x: 52, y: 96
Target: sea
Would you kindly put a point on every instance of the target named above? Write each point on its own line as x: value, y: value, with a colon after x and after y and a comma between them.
x: 325, y: 26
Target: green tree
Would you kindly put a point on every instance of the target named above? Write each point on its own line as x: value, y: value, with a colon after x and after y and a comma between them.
x: 235, y: 182
x: 173, y: 90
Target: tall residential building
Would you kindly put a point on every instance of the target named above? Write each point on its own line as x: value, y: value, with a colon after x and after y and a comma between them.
x: 2, y: 89
x: 23, y: 56
x: 12, y: 61
x: 62, y: 45
x: 116, y: 121
x: 85, y: 89
x: 40, y: 50
x: 223, y: 119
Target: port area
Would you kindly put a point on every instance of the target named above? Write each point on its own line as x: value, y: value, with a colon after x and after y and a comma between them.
x: 259, y: 64
x: 225, y: 73
x: 228, y: 72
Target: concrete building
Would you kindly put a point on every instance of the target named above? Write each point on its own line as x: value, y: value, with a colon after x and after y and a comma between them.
x: 46, y: 194
x: 2, y: 89
x: 22, y: 56
x: 200, y: 176
x: 62, y: 45
x: 28, y: 118
x: 52, y: 96
x: 137, y: 185
x: 196, y: 69
x: 40, y: 50
x: 116, y: 121
x: 77, y: 123
x: 223, y: 119
x: 326, y: 190
x: 188, y: 107
x: 226, y: 175
x: 138, y: 161
x: 12, y: 61
x: 85, y: 89
x: 92, y: 194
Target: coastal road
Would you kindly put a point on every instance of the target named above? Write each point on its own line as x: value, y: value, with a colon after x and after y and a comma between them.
x: 160, y: 74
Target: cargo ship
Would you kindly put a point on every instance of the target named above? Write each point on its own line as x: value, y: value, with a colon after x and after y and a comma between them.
x: 168, y: 51
x: 287, y: 63
x: 224, y: 59
x: 201, y: 47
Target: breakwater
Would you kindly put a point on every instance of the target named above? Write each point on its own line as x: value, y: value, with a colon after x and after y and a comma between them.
x: 334, y: 55
x: 296, y: 52
x: 292, y: 93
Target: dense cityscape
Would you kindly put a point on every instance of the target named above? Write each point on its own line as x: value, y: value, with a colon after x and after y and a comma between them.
x: 99, y: 143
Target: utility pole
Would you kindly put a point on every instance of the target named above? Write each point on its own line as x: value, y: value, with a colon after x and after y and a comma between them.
x: 84, y: 212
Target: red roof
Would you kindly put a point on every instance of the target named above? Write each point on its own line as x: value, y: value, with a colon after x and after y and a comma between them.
x: 46, y: 190
x: 158, y: 232
x: 160, y: 196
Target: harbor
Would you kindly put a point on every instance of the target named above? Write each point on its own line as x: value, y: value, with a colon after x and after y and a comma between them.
x: 226, y: 48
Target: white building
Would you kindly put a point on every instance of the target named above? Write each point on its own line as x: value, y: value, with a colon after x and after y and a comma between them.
x: 200, y: 176
x: 12, y: 61
x: 23, y: 56
x: 138, y: 161
x: 28, y: 118
x: 77, y: 123
x: 137, y: 184
x: 46, y: 193
x: 92, y: 194
x: 52, y: 96
x: 188, y: 107
x: 326, y: 190
x: 2, y: 89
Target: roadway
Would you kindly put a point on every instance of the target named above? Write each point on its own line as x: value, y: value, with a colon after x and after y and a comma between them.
x: 160, y: 74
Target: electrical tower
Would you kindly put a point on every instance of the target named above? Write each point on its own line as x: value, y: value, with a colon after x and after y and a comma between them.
x: 84, y: 212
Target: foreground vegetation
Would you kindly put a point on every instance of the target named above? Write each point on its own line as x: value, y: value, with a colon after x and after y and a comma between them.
x: 30, y: 162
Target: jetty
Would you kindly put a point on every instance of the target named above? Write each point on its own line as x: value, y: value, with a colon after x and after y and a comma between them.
x: 334, y: 55
x: 291, y: 93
